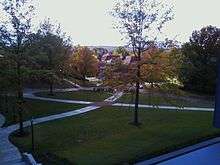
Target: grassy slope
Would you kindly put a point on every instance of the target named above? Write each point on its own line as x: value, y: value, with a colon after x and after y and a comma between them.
x: 105, y: 137
x: 35, y: 108
x: 78, y: 95
x: 165, y: 100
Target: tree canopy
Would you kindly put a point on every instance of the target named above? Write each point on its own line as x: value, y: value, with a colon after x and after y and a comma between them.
x: 199, y: 61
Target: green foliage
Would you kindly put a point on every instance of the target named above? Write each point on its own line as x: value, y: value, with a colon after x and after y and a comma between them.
x: 49, y: 47
x: 199, y: 62
x: 121, y: 51
x: 81, y: 64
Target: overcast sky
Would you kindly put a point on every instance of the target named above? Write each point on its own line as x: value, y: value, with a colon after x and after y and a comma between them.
x: 88, y: 21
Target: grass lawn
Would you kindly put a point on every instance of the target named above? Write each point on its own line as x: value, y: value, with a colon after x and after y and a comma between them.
x: 35, y: 108
x: 78, y: 95
x: 165, y: 100
x: 106, y: 137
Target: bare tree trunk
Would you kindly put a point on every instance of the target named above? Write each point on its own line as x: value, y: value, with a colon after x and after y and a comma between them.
x: 20, y: 99
x: 136, y: 120
x: 51, y: 88
x: 84, y: 79
x: 6, y: 103
x: 20, y: 114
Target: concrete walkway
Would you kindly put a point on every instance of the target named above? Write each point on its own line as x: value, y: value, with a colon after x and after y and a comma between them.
x: 165, y: 107
x: 30, y: 95
x: 72, y: 83
x: 10, y: 155
x: 115, y: 97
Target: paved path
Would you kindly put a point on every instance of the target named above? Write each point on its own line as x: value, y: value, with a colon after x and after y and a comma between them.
x: 10, y: 155
x: 30, y: 95
x: 165, y: 107
x: 115, y: 97
x: 72, y: 83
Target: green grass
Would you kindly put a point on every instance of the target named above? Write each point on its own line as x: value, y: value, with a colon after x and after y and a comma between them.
x: 106, y: 137
x: 35, y: 109
x: 78, y: 95
x: 166, y: 100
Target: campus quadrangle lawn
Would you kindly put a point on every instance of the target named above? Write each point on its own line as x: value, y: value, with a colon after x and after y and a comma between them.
x: 166, y: 100
x: 106, y: 137
x: 78, y: 95
x: 35, y: 109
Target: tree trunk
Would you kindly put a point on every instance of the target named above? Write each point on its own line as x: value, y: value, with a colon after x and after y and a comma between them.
x: 20, y: 113
x: 84, y: 80
x: 136, y: 120
x: 20, y: 99
x: 6, y: 103
x: 51, y: 88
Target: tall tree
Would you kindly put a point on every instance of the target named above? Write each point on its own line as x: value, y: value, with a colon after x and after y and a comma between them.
x: 82, y: 63
x: 49, y: 48
x: 122, y: 51
x: 157, y: 66
x: 99, y: 52
x: 199, y: 60
x: 14, y: 32
x: 140, y: 21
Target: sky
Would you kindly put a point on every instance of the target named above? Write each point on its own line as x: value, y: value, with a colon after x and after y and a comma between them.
x: 89, y: 23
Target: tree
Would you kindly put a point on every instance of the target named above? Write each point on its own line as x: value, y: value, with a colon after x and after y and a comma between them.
x: 140, y: 21
x: 6, y: 79
x: 53, y: 47
x: 99, y: 52
x: 14, y: 33
x: 157, y: 66
x: 199, y: 60
x: 119, y: 75
x: 122, y: 51
x: 82, y: 63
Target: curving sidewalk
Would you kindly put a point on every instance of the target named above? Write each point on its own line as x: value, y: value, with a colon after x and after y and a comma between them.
x: 9, y: 154
x: 112, y: 99
x: 30, y: 94
x: 165, y: 107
